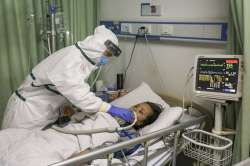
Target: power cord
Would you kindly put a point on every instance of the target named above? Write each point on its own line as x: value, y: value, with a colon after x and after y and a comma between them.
x: 130, y: 60
x: 141, y: 32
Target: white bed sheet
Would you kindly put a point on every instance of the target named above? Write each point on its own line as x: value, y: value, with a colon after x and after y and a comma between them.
x: 39, y: 148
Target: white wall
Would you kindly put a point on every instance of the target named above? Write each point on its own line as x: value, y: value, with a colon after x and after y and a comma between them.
x: 171, y: 9
x: 173, y: 58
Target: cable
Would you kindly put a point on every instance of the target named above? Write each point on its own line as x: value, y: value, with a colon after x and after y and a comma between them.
x: 130, y: 60
x: 154, y: 61
x: 188, y: 77
x: 124, y: 156
x: 140, y: 32
x: 162, y: 82
x: 190, y: 95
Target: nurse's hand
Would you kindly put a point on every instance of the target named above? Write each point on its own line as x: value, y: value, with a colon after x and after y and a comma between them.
x: 123, y: 113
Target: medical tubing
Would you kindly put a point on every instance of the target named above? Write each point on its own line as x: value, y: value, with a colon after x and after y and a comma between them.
x: 43, y: 46
x: 93, y: 131
x: 129, y: 126
x: 97, y: 76
x: 49, y: 47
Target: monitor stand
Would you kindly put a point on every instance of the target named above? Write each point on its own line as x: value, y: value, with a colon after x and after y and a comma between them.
x: 218, y: 127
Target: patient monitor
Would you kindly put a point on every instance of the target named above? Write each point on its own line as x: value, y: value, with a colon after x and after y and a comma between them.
x: 218, y: 78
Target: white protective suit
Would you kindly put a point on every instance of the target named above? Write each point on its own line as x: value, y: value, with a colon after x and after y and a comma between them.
x: 35, y: 104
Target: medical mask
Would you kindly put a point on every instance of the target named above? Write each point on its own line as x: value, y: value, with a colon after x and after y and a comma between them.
x: 103, y: 60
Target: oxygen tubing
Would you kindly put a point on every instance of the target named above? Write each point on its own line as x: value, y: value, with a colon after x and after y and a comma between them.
x: 93, y: 131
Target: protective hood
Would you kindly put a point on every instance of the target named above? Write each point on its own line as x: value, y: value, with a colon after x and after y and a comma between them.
x: 94, y: 46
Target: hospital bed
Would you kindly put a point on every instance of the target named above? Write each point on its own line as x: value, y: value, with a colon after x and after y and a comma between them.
x: 159, y: 147
x: 160, y: 141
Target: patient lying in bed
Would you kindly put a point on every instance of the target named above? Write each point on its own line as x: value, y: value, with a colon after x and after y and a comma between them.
x: 24, y: 147
x: 147, y: 113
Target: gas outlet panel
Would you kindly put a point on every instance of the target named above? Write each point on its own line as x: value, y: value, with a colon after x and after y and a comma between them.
x: 215, y: 32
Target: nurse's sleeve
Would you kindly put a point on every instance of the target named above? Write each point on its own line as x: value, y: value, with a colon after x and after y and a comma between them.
x: 69, y: 77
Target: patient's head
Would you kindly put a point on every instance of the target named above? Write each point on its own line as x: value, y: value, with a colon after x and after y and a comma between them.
x: 147, y: 113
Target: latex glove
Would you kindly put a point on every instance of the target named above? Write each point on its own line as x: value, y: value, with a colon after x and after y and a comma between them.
x: 122, y: 113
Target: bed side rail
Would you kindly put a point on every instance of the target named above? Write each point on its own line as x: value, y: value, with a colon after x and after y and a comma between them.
x: 116, y: 147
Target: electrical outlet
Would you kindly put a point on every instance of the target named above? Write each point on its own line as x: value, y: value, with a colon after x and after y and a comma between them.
x: 126, y: 28
x: 144, y: 28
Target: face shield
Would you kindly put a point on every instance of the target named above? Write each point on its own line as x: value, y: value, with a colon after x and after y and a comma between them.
x: 112, y: 48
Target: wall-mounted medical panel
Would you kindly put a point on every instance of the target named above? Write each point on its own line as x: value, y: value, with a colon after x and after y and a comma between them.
x: 214, y: 32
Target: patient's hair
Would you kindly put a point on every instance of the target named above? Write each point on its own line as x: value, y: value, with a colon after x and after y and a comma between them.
x: 150, y: 119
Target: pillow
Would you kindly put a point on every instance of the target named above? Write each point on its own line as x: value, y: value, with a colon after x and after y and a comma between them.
x: 144, y: 93
x: 141, y: 94
x: 166, y: 118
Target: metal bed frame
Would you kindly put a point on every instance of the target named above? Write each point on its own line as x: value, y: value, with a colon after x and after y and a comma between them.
x: 107, y: 151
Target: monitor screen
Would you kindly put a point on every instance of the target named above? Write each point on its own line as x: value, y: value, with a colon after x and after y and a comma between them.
x: 217, y: 75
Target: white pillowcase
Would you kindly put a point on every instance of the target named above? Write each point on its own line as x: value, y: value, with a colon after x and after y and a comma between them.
x: 144, y: 93
x: 141, y: 94
x: 166, y: 119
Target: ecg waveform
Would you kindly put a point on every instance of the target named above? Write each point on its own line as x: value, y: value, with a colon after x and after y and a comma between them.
x: 215, y: 81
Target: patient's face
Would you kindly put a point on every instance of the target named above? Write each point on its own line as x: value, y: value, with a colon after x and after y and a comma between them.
x: 142, y: 111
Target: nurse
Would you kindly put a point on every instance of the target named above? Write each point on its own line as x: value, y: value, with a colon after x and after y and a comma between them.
x: 62, y: 77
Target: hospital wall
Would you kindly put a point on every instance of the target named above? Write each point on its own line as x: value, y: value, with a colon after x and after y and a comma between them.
x: 173, y: 59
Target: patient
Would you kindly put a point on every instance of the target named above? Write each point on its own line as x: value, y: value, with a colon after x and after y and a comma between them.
x: 146, y: 113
